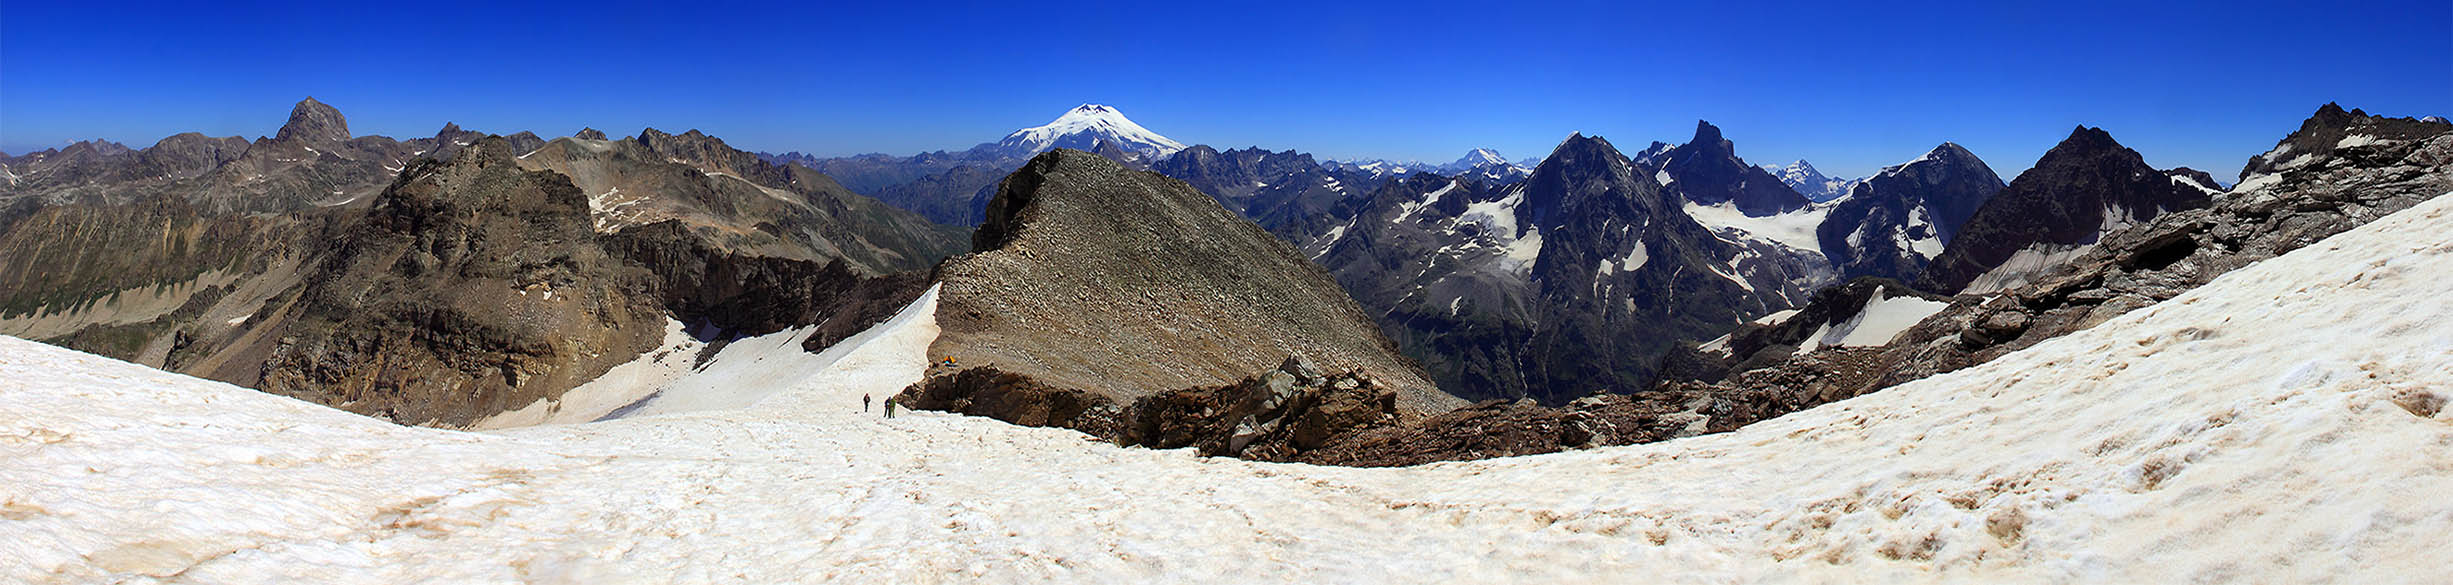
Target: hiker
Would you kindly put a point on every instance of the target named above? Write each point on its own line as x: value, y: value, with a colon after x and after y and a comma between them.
x: 889, y: 409
x: 864, y: 403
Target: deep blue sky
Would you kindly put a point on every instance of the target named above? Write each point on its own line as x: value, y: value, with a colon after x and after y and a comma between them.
x: 1851, y: 88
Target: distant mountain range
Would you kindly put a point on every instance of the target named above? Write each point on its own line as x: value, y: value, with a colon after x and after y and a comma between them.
x: 1465, y: 266
x: 433, y: 280
x: 445, y: 279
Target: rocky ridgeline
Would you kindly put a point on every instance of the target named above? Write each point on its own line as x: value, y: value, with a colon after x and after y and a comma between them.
x: 434, y: 280
x: 2087, y: 185
x: 2369, y: 167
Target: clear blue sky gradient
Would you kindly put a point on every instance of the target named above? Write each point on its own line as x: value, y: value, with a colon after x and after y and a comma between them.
x: 1852, y: 88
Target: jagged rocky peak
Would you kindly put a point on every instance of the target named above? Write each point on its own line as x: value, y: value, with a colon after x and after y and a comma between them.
x: 2085, y: 188
x: 1707, y: 171
x: 589, y: 134
x: 1109, y: 284
x: 1578, y: 160
x: 1896, y: 221
x: 2332, y: 128
x: 1709, y: 140
x: 314, y: 122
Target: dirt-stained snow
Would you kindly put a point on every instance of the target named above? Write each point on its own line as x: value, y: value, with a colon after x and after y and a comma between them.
x: 2284, y: 423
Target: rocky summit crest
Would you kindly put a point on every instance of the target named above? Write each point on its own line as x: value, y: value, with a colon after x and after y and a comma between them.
x: 314, y: 122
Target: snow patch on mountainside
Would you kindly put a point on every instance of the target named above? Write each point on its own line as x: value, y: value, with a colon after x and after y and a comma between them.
x: 2283, y: 423
x: 2033, y: 261
x: 1794, y: 229
x: 1880, y: 320
x: 745, y: 372
x: 621, y: 386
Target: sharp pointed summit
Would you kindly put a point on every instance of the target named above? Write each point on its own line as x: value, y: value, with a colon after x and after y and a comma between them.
x: 1707, y: 171
x: 314, y: 122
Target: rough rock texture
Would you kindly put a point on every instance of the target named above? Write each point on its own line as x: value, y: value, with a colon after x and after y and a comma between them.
x: 741, y: 203
x: 1709, y: 172
x: 1500, y: 428
x: 1573, y: 281
x: 1278, y: 415
x: 743, y: 295
x: 1897, y: 220
x: 1089, y: 276
x: 290, y: 263
x: 315, y: 123
x: 2274, y: 210
x: 2080, y: 190
x: 472, y: 287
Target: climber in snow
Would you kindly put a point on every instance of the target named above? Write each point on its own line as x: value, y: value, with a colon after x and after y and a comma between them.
x: 864, y: 403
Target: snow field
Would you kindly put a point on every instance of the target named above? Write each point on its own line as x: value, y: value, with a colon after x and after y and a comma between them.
x: 2274, y: 426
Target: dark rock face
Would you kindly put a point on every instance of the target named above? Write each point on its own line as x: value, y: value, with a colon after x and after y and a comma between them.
x: 2078, y: 192
x: 743, y: 295
x: 1089, y: 276
x: 1899, y: 219
x: 1282, y: 414
x: 1709, y: 172
x: 1016, y: 398
x: 2332, y: 128
x: 2271, y: 213
x: 1277, y: 415
x: 473, y: 287
x: 1499, y: 428
x: 313, y: 122
x: 589, y: 134
x: 1573, y: 281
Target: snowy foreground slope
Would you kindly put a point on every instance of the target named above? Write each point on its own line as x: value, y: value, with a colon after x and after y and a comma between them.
x: 2283, y: 423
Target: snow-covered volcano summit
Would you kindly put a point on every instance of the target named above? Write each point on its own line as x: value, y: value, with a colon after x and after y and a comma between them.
x: 1083, y: 128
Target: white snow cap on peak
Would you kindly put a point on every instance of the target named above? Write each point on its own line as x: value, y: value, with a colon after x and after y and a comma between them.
x: 1084, y: 126
x: 1938, y: 153
x: 1479, y: 157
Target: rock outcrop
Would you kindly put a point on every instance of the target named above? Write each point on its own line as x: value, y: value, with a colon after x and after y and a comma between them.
x: 313, y: 122
x: 472, y: 287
